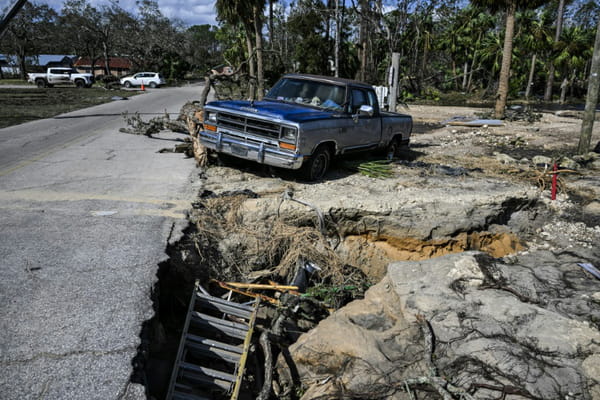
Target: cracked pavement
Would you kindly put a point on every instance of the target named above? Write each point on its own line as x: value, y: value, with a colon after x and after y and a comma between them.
x: 86, y: 213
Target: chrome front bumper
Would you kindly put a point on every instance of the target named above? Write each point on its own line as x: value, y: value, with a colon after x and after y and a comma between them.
x: 260, y: 152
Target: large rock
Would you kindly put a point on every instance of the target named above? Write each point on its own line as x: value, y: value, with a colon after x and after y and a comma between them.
x: 412, y: 206
x: 526, y: 329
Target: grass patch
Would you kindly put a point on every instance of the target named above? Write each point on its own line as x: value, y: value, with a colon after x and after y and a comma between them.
x: 14, y: 81
x: 22, y: 105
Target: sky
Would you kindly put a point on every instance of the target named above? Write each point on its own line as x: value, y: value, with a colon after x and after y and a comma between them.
x: 191, y: 12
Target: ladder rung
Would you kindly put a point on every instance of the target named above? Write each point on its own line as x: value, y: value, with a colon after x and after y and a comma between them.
x: 226, y: 307
x: 214, y: 343
x: 232, y: 329
x: 187, y: 396
x: 203, y: 350
x: 206, y: 376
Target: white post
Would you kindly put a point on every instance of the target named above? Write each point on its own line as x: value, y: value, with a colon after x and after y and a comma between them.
x: 394, y: 82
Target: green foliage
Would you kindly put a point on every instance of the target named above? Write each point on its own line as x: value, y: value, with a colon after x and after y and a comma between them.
x: 202, y: 50
x: 437, y: 40
x: 379, y: 169
x: 335, y: 296
x: 306, y: 25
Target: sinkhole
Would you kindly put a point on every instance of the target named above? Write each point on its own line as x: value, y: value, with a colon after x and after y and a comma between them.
x: 222, y: 244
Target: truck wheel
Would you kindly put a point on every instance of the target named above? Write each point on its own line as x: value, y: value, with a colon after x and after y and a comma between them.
x: 392, y: 149
x: 395, y: 148
x: 40, y: 83
x: 79, y: 83
x: 317, y: 165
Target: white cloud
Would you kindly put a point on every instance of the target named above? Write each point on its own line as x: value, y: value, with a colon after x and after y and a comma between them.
x: 191, y: 12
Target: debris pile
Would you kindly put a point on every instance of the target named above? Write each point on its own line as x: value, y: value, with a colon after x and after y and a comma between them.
x: 137, y: 126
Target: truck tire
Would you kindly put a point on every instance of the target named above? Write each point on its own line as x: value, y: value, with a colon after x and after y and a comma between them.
x: 317, y: 165
x: 395, y: 148
x: 392, y: 149
x: 40, y: 83
x: 79, y: 83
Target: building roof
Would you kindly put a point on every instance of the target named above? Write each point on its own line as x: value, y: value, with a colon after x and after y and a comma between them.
x: 114, y: 62
x: 45, y: 59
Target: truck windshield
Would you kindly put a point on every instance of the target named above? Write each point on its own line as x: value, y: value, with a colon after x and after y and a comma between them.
x: 317, y: 94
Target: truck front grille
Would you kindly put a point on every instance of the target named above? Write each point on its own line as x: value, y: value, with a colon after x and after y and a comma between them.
x: 248, y: 125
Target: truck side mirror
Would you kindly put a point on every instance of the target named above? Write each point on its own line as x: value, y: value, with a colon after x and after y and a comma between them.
x: 365, y: 110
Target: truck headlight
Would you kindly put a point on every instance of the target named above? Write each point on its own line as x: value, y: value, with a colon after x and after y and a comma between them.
x: 211, y: 117
x: 289, y: 134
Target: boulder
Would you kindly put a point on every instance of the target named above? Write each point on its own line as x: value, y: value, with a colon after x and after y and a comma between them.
x: 542, y: 160
x: 568, y: 163
x: 525, y: 327
x: 504, y: 158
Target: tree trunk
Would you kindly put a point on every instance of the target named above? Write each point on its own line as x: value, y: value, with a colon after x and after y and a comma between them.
x: 21, y: 58
x: 563, y: 90
x: 454, y: 74
x: 106, y: 60
x: 251, y: 69
x: 260, y: 73
x: 530, y: 80
x: 506, y: 60
x: 550, y: 81
x: 470, y: 81
x: 591, y: 99
x: 364, y: 5
x: 425, y: 57
x: 271, y: 28
x: 337, y: 38
x: 465, y: 77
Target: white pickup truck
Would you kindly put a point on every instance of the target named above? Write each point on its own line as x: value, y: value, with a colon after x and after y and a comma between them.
x: 61, y: 76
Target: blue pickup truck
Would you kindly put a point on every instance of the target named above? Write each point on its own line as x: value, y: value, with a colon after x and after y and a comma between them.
x: 303, y: 122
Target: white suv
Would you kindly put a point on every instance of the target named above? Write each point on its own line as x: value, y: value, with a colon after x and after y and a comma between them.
x: 151, y: 79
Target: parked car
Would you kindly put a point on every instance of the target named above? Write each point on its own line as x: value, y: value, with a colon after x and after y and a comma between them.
x: 150, y: 79
x: 303, y: 122
x: 61, y: 76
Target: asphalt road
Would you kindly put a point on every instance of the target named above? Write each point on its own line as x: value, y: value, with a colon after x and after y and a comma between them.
x: 86, y: 213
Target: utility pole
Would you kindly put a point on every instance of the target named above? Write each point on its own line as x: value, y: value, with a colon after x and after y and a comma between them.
x: 394, y: 82
x: 10, y: 14
x: 591, y: 100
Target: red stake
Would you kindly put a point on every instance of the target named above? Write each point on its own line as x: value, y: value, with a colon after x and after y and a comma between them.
x: 554, y: 181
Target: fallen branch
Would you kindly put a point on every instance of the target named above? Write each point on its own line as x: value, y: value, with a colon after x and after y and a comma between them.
x: 265, y: 392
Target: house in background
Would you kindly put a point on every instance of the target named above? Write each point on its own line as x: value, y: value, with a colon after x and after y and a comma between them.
x: 8, y: 68
x: 44, y: 61
x: 119, y: 66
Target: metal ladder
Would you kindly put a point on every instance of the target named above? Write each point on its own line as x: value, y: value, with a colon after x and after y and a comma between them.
x: 213, y: 349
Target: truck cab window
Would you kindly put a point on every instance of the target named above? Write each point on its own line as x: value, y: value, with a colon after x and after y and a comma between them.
x: 359, y: 98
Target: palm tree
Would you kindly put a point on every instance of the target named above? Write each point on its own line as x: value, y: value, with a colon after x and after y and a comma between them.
x: 559, y: 20
x: 249, y: 15
x: 510, y: 7
x: 573, y: 51
x: 534, y: 37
